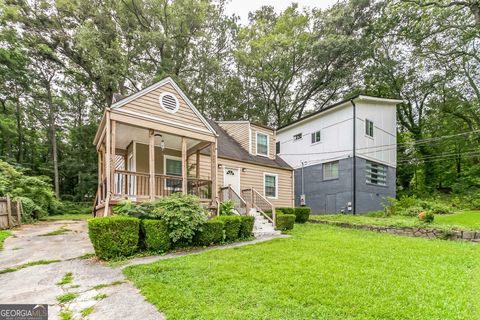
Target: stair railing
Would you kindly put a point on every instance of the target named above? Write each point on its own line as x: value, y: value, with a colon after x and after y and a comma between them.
x: 260, y: 203
x: 240, y: 205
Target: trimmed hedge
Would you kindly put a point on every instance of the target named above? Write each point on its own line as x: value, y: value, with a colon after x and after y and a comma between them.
x: 212, y: 232
x: 302, y: 214
x: 285, y: 221
x: 231, y: 226
x: 113, y: 237
x: 246, y: 227
x: 155, y: 235
x: 286, y: 210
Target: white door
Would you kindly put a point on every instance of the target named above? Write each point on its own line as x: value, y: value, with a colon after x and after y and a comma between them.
x: 231, y: 176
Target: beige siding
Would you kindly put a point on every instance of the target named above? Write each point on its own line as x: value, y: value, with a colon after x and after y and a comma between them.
x: 271, y: 139
x: 142, y: 158
x: 238, y: 131
x: 253, y: 177
x: 148, y: 104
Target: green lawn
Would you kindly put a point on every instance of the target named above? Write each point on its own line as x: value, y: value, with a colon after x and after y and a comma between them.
x: 469, y: 220
x: 4, y: 234
x: 68, y: 217
x: 321, y: 272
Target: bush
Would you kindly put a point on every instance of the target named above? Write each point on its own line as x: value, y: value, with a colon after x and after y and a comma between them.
x: 183, y: 214
x: 154, y: 234
x: 126, y: 208
x: 231, y: 226
x: 426, y: 217
x: 30, y: 210
x: 114, y: 236
x: 302, y: 214
x: 246, y: 227
x: 285, y: 222
x: 285, y: 210
x: 438, y: 208
x: 68, y: 207
x: 212, y: 232
x: 38, y: 189
x: 226, y: 208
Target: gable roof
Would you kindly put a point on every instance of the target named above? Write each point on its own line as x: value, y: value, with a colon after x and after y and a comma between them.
x: 229, y: 148
x: 352, y: 98
x: 120, y: 101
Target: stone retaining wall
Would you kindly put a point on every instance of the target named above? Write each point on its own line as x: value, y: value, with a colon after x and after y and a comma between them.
x: 466, y: 235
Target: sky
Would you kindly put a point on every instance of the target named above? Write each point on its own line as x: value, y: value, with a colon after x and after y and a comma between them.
x: 243, y: 7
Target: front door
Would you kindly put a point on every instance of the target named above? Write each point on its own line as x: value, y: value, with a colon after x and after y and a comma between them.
x: 231, y: 176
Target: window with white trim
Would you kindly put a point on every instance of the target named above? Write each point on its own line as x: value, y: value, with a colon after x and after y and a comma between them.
x: 376, y: 173
x: 316, y: 136
x: 270, y: 183
x: 330, y: 170
x: 369, y: 128
x: 297, y: 137
x: 262, y: 144
x: 277, y: 147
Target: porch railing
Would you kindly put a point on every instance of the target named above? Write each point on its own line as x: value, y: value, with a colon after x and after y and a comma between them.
x: 240, y: 205
x: 129, y: 184
x: 260, y: 203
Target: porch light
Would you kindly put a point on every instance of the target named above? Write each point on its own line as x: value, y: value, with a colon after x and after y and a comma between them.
x: 219, y: 166
x: 244, y: 169
x: 162, y: 144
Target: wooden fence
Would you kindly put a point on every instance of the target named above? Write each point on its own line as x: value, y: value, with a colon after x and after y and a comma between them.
x: 10, y: 213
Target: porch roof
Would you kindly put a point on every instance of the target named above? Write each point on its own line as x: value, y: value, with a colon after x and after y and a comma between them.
x: 229, y: 148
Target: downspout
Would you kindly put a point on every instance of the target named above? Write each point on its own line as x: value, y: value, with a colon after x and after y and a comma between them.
x: 354, y: 169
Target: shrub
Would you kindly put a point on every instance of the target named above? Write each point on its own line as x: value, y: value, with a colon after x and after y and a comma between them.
x: 183, y: 214
x: 246, y: 227
x: 154, y: 234
x: 411, y: 211
x: 438, y: 208
x: 38, y: 189
x: 30, y: 210
x: 231, y: 226
x: 212, y: 232
x: 285, y: 222
x: 226, y: 208
x: 302, y: 214
x: 285, y: 210
x: 426, y: 216
x: 114, y: 236
x: 126, y: 208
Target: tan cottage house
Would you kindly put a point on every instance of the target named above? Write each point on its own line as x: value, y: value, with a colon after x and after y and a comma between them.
x: 155, y: 142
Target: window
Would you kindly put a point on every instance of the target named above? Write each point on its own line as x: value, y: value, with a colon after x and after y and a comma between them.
x: 369, y: 128
x: 330, y: 170
x: 277, y: 147
x: 297, y: 137
x: 316, y: 136
x: 173, y: 167
x: 376, y: 173
x: 270, y: 184
x: 262, y: 144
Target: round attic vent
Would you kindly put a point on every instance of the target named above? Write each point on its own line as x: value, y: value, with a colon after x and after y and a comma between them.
x: 169, y: 102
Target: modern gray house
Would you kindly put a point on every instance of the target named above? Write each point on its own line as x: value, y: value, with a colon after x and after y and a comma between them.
x: 341, y: 165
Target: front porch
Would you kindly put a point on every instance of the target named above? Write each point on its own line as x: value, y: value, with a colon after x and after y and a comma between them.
x: 146, y: 162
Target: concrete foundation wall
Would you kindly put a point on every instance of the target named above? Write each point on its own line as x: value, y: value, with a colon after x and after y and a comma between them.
x: 333, y: 196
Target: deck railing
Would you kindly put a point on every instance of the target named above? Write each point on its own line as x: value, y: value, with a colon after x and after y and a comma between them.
x: 136, y: 185
x: 260, y: 203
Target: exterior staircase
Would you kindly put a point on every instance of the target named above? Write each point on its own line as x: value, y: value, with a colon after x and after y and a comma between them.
x: 262, y: 227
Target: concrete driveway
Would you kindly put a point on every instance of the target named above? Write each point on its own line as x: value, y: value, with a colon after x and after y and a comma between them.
x: 115, y: 298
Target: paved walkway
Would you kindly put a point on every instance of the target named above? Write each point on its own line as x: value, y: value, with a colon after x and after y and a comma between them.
x: 115, y: 299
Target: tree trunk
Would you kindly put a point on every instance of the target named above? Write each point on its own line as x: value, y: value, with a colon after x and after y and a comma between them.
x: 21, y: 152
x: 53, y: 141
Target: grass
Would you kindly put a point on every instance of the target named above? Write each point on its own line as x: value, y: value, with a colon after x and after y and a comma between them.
x: 4, y: 234
x: 28, y: 264
x: 57, y: 232
x: 100, y: 296
x: 67, y: 278
x: 321, y: 272
x: 87, y: 256
x: 87, y: 311
x: 105, y: 285
x: 68, y: 216
x: 66, y: 314
x: 66, y: 297
x: 467, y: 220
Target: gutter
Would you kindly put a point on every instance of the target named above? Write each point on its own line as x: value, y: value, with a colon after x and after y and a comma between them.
x: 354, y: 169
